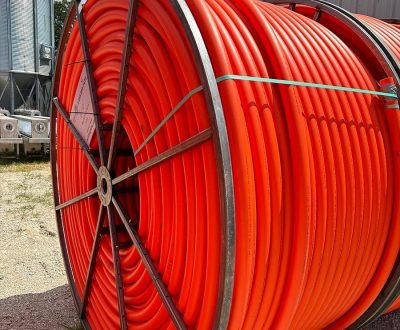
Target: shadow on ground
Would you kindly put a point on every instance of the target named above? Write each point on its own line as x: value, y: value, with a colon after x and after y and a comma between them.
x: 53, y: 309
x: 386, y: 322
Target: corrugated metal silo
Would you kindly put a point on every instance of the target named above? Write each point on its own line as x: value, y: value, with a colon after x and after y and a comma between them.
x: 3, y: 36
x: 26, y: 54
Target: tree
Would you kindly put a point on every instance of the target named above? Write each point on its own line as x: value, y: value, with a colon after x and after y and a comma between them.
x: 60, y: 12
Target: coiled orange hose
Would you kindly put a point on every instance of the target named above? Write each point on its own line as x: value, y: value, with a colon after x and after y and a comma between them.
x: 314, y: 170
x: 387, y: 32
x: 391, y: 36
x: 396, y: 305
x: 187, y: 241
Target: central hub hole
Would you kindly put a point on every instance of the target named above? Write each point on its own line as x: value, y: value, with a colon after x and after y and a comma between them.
x: 126, y: 191
x: 104, y: 186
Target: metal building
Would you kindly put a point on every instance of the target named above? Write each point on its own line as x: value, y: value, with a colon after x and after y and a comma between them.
x: 26, y: 54
x: 384, y: 9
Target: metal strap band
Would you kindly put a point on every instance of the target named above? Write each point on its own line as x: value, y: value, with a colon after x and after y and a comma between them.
x: 261, y: 80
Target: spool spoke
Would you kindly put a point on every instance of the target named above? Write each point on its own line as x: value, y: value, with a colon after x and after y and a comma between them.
x: 148, y: 263
x: 166, y: 155
x: 317, y: 15
x: 168, y: 117
x: 77, y: 199
x: 76, y: 134
x: 92, y: 260
x: 130, y: 26
x: 91, y: 82
x: 117, y: 268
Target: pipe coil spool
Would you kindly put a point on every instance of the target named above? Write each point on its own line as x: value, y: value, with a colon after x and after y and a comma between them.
x: 227, y: 164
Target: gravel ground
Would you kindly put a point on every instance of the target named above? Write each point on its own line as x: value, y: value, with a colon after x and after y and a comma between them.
x: 33, y: 290
x: 33, y: 287
x: 390, y: 321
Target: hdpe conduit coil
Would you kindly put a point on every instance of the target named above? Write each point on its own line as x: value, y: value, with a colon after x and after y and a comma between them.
x: 385, y: 31
x: 390, y: 34
x: 222, y: 164
x: 357, y: 35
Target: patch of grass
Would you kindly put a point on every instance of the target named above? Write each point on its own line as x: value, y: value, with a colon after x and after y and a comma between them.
x: 24, y: 196
x: 23, y: 210
x: 30, y: 176
x: 33, y: 199
x: 23, y: 165
x: 45, y: 199
x: 48, y: 198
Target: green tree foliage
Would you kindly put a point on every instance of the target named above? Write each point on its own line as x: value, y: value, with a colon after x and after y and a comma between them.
x: 60, y: 12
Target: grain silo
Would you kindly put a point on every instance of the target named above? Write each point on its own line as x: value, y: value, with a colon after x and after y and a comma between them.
x: 26, y: 54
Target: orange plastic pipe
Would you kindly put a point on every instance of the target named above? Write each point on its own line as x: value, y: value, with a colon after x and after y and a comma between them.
x: 313, y: 169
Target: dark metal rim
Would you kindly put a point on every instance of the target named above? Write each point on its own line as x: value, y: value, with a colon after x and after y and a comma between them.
x: 217, y: 132
x: 391, y: 20
x: 391, y: 290
x: 221, y: 145
x: 53, y: 158
x: 390, y: 66
x: 388, y: 62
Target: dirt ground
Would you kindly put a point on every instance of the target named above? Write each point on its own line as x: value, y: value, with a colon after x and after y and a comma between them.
x: 33, y: 287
